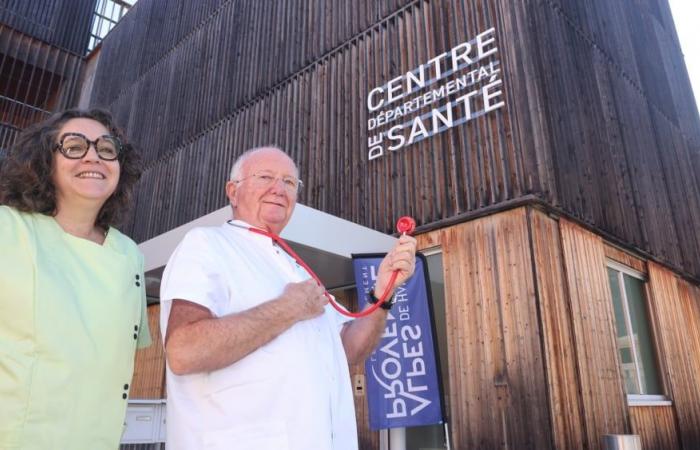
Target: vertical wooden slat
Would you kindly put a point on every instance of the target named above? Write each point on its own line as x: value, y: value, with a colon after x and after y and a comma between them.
x: 563, y: 380
x: 149, y: 367
x: 496, y: 369
x: 604, y: 405
x: 577, y: 140
x: 38, y: 78
x: 656, y: 427
x: 675, y: 306
x: 63, y: 24
x: 393, y: 187
x: 625, y: 258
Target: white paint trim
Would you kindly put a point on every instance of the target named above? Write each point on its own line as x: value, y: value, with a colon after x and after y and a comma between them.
x: 626, y: 270
x: 630, y: 331
x: 308, y: 226
x: 432, y: 251
x: 648, y: 400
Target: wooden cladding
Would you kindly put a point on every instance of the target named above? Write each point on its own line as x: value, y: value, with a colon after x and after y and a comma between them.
x: 597, y: 120
x: 35, y: 78
x: 523, y: 283
x: 559, y: 340
x: 497, y: 381
x: 319, y: 116
x: 8, y: 134
x: 532, y: 353
x: 625, y: 258
x: 149, y: 367
x: 215, y: 57
x: 257, y: 44
x: 366, y: 438
x: 611, y: 106
x: 637, y: 40
x: 590, y: 303
x: 677, y: 312
x: 61, y: 23
x: 656, y: 426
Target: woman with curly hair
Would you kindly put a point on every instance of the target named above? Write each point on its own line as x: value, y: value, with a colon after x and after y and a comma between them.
x: 72, y: 290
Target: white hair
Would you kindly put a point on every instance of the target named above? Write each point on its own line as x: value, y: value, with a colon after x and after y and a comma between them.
x: 237, y: 167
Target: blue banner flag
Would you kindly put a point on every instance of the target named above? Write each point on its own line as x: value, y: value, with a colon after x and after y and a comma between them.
x: 403, y: 388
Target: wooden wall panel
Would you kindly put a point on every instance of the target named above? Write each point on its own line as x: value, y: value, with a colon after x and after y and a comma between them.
x: 673, y: 63
x: 8, y: 134
x: 527, y: 88
x: 62, y: 23
x: 366, y: 438
x: 216, y: 36
x: 560, y: 345
x: 656, y: 426
x: 319, y: 116
x: 498, y: 393
x: 149, y: 369
x: 625, y: 258
x: 683, y: 185
x: 605, y: 163
x: 604, y: 403
x: 615, y: 147
x: 597, y: 121
x: 658, y: 232
x: 37, y: 78
x: 676, y: 306
x: 639, y: 38
x: 584, y: 393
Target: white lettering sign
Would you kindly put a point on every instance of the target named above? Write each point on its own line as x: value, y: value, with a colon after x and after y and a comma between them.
x: 404, y: 347
x: 471, y: 91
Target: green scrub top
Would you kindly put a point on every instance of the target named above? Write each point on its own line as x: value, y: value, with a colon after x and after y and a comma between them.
x: 72, y: 313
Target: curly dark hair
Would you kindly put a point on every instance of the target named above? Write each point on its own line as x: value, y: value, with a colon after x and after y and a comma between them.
x: 25, y: 172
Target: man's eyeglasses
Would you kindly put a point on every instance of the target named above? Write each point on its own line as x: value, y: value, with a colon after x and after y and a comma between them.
x: 76, y: 146
x: 266, y: 179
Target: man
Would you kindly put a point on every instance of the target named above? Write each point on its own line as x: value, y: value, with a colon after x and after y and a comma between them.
x: 256, y: 357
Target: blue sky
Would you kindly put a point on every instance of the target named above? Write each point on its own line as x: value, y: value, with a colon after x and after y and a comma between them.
x: 686, y: 15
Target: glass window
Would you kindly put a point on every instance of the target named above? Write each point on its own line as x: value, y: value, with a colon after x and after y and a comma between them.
x: 106, y: 15
x: 634, y: 338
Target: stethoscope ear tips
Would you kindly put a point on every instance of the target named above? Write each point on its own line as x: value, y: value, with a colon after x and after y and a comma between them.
x: 406, y: 225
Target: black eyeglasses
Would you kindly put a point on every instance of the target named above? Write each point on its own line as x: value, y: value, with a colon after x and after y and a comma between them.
x: 76, y: 146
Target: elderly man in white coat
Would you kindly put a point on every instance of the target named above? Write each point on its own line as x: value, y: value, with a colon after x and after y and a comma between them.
x: 256, y: 358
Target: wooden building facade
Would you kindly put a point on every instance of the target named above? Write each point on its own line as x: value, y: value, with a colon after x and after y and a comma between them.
x: 42, y: 45
x: 548, y: 149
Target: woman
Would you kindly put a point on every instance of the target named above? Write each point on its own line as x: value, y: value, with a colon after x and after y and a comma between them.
x: 72, y: 291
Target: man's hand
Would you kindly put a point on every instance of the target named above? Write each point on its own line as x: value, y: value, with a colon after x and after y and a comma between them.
x: 362, y: 335
x: 196, y: 341
x: 306, y: 298
x: 402, y: 258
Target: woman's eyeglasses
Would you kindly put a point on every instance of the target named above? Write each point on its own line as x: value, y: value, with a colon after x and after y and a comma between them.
x: 76, y: 146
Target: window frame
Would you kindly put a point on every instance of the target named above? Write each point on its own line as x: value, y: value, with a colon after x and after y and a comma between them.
x: 640, y: 399
x: 101, y: 16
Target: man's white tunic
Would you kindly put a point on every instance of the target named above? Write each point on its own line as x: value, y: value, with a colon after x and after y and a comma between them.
x: 293, y: 393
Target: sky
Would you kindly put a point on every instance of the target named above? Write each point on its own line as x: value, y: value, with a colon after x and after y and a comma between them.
x: 686, y: 15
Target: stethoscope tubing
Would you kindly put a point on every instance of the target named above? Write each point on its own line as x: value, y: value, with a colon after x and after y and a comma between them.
x: 279, y: 241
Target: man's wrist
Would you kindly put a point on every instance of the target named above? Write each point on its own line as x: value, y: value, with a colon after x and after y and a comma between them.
x: 372, y: 298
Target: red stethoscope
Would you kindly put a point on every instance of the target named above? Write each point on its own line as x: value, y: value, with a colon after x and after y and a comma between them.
x: 405, y: 225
